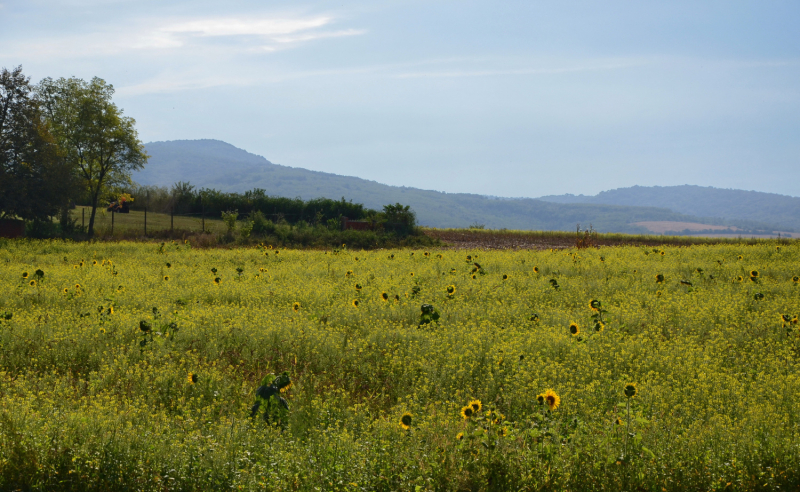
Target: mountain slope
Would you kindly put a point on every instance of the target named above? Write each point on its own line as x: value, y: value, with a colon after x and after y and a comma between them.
x: 215, y: 164
x: 740, y: 205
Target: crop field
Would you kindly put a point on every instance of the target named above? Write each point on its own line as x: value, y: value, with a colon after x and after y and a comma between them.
x: 149, y: 366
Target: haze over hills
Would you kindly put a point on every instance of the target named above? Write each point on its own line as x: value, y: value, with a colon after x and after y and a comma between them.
x: 218, y: 165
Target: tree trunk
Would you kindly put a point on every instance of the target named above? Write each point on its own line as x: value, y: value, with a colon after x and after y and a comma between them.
x: 95, y: 196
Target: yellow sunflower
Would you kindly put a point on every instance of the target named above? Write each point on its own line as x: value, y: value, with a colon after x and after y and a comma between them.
x: 451, y: 289
x: 296, y: 306
x: 476, y: 406
x: 594, y: 305
x: 358, y: 287
x: 740, y: 257
x: 796, y: 279
x: 384, y: 296
x: 192, y: 378
x: 166, y: 277
x: 535, y: 269
x: 574, y: 329
x: 552, y: 399
x: 753, y: 273
x: 659, y: 278
x: 355, y: 303
x: 467, y: 412
x: 505, y: 277
x: 459, y: 436
x: 631, y: 390
x: 405, y: 421
x: 24, y: 274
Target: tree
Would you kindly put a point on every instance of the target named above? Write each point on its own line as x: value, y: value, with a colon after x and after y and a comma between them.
x: 400, y: 219
x: 94, y: 136
x: 35, y: 180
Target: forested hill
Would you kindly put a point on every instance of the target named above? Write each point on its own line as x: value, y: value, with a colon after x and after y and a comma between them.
x: 700, y: 200
x: 218, y: 165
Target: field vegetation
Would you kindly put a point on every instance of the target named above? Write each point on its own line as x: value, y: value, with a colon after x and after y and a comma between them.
x: 147, y: 366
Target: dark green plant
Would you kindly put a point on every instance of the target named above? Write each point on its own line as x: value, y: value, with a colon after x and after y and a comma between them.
x: 268, y: 392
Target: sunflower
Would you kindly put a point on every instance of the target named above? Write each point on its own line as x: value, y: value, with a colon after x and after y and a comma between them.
x: 599, y: 326
x: 794, y: 320
x: 169, y: 265
x: 754, y: 273
x: 659, y: 278
x: 469, y: 257
x: 296, y: 306
x: 452, y: 271
x: 405, y: 421
x: 739, y: 278
x: 594, y: 305
x: 65, y: 291
x: 24, y: 274
x: 349, y: 273
x: 217, y: 280
x: 397, y: 297
x: 467, y: 412
x: 77, y: 286
x: 102, y: 330
x: 476, y: 405
x: 503, y: 432
x: 534, y: 317
x: 439, y: 256
x: 540, y: 399
x: 474, y: 276
x: 384, y: 296
x: 412, y: 274
x: 778, y: 249
x: 110, y: 310
x: 355, y: 303
x: 662, y: 253
x: 459, y: 436
x: 94, y: 262
x: 277, y: 252
x: 166, y: 277
x: 631, y: 390
x: 451, y: 289
x: 574, y: 329
x: 740, y: 257
x: 552, y: 399
x: 358, y: 287
x: 192, y: 378
x: 785, y: 318
x: 658, y: 293
x: 796, y: 279
x: 505, y: 277
x: 33, y: 282
x: 618, y: 421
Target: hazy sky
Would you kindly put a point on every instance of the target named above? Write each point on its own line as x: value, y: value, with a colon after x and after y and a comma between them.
x: 511, y: 98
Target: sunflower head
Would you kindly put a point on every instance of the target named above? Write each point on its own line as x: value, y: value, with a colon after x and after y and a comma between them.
x: 451, y: 289
x: 460, y: 436
x: 535, y: 317
x: 540, y: 399
x: 505, y: 277
x: 631, y: 390
x: 77, y: 286
x: 217, y: 280
x: 594, y: 305
x: 618, y: 421
x: 796, y: 279
x: 33, y: 282
x: 662, y: 253
x: 427, y: 254
x: 753, y: 273
x: 192, y: 378
x: 166, y: 277
x: 552, y: 399
x: 384, y: 296
x: 65, y: 291
x: 355, y: 303
x: 599, y: 326
x: 474, y: 277
x: 296, y: 306
x: 659, y: 278
x: 439, y: 256
x: 358, y: 286
x: 536, y: 269
x: 467, y: 412
x: 574, y: 329
x: 412, y: 274
x: 405, y: 421
x: 739, y: 278
x: 740, y: 257
x: 476, y: 406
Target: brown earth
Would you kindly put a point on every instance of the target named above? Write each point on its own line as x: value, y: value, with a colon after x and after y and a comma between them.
x: 662, y: 226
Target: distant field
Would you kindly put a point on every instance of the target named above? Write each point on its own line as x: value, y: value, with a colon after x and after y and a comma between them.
x: 664, y: 226
x: 124, y: 224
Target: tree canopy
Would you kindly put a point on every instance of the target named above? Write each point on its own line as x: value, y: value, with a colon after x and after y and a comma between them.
x: 36, y: 182
x: 92, y: 133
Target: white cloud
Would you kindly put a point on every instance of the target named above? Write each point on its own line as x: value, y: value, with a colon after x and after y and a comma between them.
x: 241, y: 26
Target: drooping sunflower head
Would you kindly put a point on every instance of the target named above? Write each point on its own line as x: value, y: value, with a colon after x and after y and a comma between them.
x: 192, y: 378
x: 574, y: 329
x: 469, y: 257
x: 296, y: 307
x: 467, y: 412
x: 599, y: 326
x: 631, y: 390
x: 217, y: 280
x: 358, y: 287
x: 476, y: 406
x: 534, y: 317
x: 384, y: 296
x: 439, y: 256
x: 536, y: 269
x: 785, y: 318
x: 659, y: 278
x: 552, y: 399
x: 405, y: 421
x: 24, y: 274
x: 355, y: 303
x: 451, y: 289
x: 594, y: 305
x: 753, y: 273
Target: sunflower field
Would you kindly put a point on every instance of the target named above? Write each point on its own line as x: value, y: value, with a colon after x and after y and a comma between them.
x: 144, y: 366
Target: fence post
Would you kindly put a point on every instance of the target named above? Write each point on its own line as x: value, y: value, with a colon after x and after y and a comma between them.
x: 145, y: 221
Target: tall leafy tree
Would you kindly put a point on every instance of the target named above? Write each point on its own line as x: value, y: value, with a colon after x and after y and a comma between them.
x: 93, y: 134
x: 36, y: 182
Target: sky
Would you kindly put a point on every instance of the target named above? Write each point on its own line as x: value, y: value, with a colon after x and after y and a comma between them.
x: 512, y: 98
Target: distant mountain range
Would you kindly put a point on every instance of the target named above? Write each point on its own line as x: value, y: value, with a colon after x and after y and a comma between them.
x: 218, y: 165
